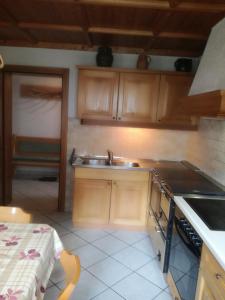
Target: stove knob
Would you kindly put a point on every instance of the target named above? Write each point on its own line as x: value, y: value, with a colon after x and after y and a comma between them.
x: 197, y: 243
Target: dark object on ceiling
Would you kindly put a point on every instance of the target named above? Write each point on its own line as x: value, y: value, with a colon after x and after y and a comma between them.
x: 183, y: 65
x: 104, y: 58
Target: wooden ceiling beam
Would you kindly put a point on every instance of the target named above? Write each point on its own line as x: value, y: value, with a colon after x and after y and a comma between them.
x: 71, y: 46
x: 107, y: 30
x: 48, y: 26
x: 85, y: 25
x: 14, y: 24
x: 162, y: 5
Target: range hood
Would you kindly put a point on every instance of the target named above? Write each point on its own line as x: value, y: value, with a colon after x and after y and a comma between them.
x: 207, y: 93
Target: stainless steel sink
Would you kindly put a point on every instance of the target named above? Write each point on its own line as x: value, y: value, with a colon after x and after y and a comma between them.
x: 105, y: 162
x: 125, y: 164
x: 94, y: 162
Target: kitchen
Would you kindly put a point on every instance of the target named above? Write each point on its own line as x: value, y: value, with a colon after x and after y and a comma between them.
x: 203, y: 147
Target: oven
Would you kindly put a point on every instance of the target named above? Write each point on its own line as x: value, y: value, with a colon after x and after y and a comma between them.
x: 160, y: 221
x: 184, y: 258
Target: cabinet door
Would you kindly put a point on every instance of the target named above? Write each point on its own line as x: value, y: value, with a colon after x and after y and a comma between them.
x: 172, y: 88
x: 97, y: 94
x: 203, y: 291
x: 91, y: 201
x: 128, y: 202
x: 138, y: 97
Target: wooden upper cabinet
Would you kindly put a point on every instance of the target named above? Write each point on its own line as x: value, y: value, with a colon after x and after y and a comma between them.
x: 138, y: 97
x: 172, y: 88
x: 97, y: 94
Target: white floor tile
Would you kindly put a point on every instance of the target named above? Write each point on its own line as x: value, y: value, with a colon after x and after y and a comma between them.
x: 109, y: 271
x: 132, y: 258
x: 129, y: 237
x: 89, y: 255
x: 51, y: 293
x: 109, y: 230
x: 145, y: 246
x: 163, y: 296
x: 110, y: 244
x: 108, y: 295
x: 60, y: 229
x: 90, y: 235
x: 88, y: 287
x: 60, y: 216
x: 50, y: 283
x: 71, y: 241
x: 68, y: 224
x: 135, y: 287
x: 176, y: 274
x: 152, y: 272
x: 57, y: 273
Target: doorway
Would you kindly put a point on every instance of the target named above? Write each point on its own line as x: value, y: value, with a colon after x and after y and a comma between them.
x: 35, y: 136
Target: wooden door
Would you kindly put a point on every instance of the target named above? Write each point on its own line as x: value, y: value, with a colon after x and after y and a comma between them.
x: 97, y: 94
x: 1, y: 141
x: 91, y: 202
x: 128, y: 202
x: 172, y: 88
x: 138, y: 96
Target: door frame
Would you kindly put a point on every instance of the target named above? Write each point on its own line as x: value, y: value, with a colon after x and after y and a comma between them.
x: 7, y: 109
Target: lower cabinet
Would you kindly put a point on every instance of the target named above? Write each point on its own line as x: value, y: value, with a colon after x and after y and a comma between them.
x: 92, y: 202
x: 211, y: 279
x: 128, y: 202
x: 110, y: 197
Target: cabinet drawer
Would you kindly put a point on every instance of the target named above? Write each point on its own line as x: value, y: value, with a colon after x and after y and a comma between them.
x: 110, y: 174
x: 213, y: 272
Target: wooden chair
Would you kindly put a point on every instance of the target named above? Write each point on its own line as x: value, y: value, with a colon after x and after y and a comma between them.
x: 71, y: 266
x: 14, y: 215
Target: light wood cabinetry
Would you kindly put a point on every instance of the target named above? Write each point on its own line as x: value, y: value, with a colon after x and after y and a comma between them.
x: 128, y: 202
x: 172, y: 89
x: 110, y: 196
x: 211, y: 279
x: 92, y: 200
x: 130, y: 97
x: 97, y: 94
x: 138, y: 94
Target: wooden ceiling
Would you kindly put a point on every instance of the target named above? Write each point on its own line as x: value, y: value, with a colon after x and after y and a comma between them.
x: 172, y: 27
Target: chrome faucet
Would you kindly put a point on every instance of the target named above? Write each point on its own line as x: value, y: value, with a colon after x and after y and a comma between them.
x: 110, y: 157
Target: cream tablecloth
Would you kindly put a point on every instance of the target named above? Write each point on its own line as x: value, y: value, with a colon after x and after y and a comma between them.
x: 27, y: 257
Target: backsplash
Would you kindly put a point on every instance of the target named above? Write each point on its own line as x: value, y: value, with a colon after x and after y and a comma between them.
x: 206, y: 148
x: 127, y: 142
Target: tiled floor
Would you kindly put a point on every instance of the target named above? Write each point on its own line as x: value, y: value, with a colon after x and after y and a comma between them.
x: 35, y: 194
x: 116, y: 264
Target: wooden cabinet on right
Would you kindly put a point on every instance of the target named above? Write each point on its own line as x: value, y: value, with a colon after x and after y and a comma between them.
x: 211, y: 278
x: 173, y: 88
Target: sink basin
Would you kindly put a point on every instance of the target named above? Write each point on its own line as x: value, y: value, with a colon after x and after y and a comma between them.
x: 104, y: 162
x: 95, y: 162
x: 125, y: 164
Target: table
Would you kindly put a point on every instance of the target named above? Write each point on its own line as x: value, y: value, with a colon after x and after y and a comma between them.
x: 27, y: 257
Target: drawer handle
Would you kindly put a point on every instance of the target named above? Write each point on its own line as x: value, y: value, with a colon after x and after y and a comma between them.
x: 218, y: 276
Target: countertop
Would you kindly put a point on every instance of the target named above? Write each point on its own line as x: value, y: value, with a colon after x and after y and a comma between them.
x: 214, y: 240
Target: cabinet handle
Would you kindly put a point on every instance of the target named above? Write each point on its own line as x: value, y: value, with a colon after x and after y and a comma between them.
x: 114, y: 118
x: 119, y: 118
x: 218, y: 276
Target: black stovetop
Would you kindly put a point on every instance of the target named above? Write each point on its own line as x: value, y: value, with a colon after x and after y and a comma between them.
x: 211, y: 211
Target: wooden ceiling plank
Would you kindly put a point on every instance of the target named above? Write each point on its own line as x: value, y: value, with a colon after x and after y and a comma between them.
x: 14, y: 24
x: 162, y: 5
x: 85, y: 25
x: 183, y: 35
x: 50, y: 26
x: 120, y: 31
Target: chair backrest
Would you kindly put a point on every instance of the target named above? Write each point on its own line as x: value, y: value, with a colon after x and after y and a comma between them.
x: 14, y: 215
x: 71, y: 266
